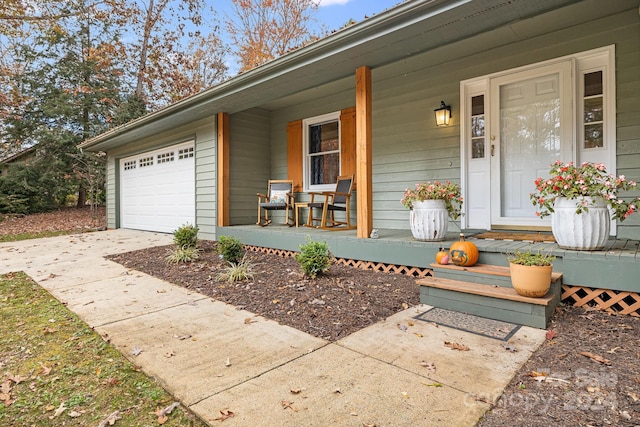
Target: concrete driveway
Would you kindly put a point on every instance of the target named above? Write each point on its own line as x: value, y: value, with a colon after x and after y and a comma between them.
x: 214, y: 357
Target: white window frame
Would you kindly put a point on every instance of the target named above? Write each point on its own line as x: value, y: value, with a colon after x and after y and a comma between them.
x: 600, y: 59
x: 306, y: 157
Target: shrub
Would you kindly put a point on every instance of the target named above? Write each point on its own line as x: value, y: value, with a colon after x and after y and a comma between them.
x: 314, y: 258
x: 231, y: 249
x: 182, y: 254
x: 236, y: 272
x: 186, y: 236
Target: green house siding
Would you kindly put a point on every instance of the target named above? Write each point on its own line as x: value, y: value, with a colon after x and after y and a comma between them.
x: 206, y: 190
x: 203, y: 132
x: 112, y: 193
x: 408, y: 148
x: 250, y: 158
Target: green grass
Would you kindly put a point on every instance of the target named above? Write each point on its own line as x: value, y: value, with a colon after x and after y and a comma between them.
x: 27, y: 236
x: 60, y: 362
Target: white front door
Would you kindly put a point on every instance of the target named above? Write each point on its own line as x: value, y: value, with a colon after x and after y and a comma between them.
x: 531, y: 126
x: 515, y: 123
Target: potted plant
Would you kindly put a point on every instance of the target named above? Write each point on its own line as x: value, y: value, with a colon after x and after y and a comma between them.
x: 430, y: 204
x: 579, y: 200
x: 531, y: 273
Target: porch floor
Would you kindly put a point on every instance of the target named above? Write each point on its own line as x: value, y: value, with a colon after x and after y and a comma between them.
x: 615, y: 267
x: 615, y: 248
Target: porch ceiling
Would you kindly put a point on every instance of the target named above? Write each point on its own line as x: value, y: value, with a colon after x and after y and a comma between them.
x: 413, y: 27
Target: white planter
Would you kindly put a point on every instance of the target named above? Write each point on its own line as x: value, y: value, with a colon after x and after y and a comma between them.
x: 429, y: 220
x: 587, y: 231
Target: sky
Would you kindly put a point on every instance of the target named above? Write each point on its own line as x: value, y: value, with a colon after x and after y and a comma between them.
x: 331, y: 13
x: 335, y: 13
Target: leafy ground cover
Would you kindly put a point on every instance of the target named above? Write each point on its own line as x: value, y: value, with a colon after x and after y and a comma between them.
x: 48, y: 224
x: 54, y: 370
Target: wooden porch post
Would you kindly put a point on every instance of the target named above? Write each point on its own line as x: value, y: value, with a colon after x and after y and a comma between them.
x: 223, y: 170
x: 363, y: 152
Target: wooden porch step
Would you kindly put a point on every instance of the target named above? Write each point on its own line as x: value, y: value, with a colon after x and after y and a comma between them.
x: 492, y: 301
x: 487, y: 274
x: 492, y: 291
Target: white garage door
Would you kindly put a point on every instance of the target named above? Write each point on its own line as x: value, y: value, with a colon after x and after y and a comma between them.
x: 157, y: 189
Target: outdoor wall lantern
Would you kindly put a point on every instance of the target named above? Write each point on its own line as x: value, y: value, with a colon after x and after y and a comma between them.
x: 443, y: 114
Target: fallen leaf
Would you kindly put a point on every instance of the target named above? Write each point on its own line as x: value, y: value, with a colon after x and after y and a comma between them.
x: 614, y: 349
x: 74, y: 414
x: 429, y: 365
x: 110, y: 420
x: 410, y: 323
x: 295, y: 391
x: 136, y: 351
x: 510, y: 347
x: 286, y: 404
x: 161, y: 291
x: 182, y: 337
x: 60, y: 410
x: 170, y: 354
x: 405, y: 305
x: 551, y: 334
x: 249, y: 320
x: 403, y: 328
x: 5, y: 398
x: 46, y: 331
x: 405, y: 394
x: 45, y: 369
x: 433, y: 385
x: 17, y: 379
x: 275, y: 301
x: 596, y: 358
x: 538, y: 376
x: 456, y: 346
x: 418, y: 335
x: 224, y: 415
x: 162, y: 413
x: 112, y: 381
x: 227, y: 363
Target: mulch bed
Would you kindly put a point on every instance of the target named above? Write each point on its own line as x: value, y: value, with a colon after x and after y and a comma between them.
x: 330, y: 306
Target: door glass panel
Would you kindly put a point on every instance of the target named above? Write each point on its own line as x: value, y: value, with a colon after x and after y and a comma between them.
x: 529, y: 139
x: 593, y: 110
x: 477, y: 127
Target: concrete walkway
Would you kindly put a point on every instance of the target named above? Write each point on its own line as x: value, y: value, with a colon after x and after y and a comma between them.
x: 213, y: 357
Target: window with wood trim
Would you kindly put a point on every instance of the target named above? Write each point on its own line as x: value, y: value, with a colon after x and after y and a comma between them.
x: 321, y: 148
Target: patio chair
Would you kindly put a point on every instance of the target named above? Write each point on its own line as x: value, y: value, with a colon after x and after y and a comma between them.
x: 279, y: 197
x: 338, y: 200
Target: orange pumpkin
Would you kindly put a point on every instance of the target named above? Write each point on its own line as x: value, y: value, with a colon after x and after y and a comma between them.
x: 442, y: 257
x: 463, y: 253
